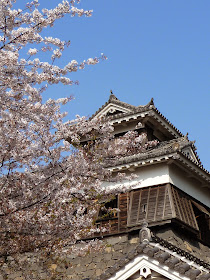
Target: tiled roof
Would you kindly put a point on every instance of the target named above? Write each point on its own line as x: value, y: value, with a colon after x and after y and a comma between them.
x: 163, y: 148
x: 114, y: 100
x: 167, y: 254
x: 172, y: 148
x: 133, y: 110
x: 166, y: 148
x: 158, y: 112
x: 150, y: 108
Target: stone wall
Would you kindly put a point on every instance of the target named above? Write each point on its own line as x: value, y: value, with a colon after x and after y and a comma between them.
x: 31, y: 266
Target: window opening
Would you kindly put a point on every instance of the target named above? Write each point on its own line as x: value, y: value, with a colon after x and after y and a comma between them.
x: 108, y: 210
x: 144, y: 208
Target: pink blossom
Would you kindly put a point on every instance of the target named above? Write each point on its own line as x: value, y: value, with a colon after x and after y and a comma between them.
x: 51, y: 172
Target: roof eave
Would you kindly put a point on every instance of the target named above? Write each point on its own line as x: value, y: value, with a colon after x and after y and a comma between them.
x: 176, y: 157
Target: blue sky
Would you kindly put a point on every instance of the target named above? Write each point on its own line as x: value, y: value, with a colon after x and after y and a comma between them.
x: 155, y: 48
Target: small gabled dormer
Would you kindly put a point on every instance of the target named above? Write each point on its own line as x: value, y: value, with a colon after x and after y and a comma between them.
x: 113, y: 107
x: 126, y: 117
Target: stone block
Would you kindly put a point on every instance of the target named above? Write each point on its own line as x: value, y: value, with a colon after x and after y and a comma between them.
x: 107, y: 257
x: 60, y: 269
x: 9, y: 258
x: 69, y: 270
x: 108, y: 249
x: 90, y: 274
x: 35, y: 267
x: 74, y: 277
x: 111, y: 263
x: 15, y: 275
x: 70, y: 276
x: 116, y: 239
x: 87, y: 260
x: 117, y: 256
x: 102, y: 265
x: 43, y: 276
x: 118, y: 247
x: 125, y: 250
x: 98, y: 272
x: 134, y: 240
x: 97, y: 259
x: 92, y: 266
x: 75, y: 261
x: 77, y: 269
x: 53, y: 266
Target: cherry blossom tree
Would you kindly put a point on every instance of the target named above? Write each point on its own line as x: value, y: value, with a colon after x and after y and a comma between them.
x: 46, y: 183
x: 51, y: 171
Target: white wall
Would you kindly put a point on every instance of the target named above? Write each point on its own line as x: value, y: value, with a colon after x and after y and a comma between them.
x: 189, y: 185
x: 147, y: 176
x: 152, y: 175
x: 163, y: 173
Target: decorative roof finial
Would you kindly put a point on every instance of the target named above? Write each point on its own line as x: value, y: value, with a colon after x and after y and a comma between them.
x: 145, y: 234
x: 151, y: 102
x: 112, y: 96
x: 186, y: 136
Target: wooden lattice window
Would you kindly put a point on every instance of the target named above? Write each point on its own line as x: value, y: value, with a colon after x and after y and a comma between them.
x: 183, y: 208
x: 161, y: 203
x: 151, y: 204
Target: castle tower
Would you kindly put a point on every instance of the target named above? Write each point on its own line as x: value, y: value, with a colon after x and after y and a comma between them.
x: 162, y: 230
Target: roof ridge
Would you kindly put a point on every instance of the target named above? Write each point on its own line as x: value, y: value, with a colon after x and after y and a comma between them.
x: 163, y: 149
x: 178, y: 250
x: 113, y: 99
x: 160, y: 147
x: 163, y: 257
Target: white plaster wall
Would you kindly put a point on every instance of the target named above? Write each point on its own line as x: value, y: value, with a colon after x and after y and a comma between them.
x: 163, y: 173
x: 146, y: 176
x: 152, y: 175
x: 189, y: 185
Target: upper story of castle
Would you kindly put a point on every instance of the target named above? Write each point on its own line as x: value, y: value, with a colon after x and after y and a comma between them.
x: 171, y: 183
x: 173, y: 148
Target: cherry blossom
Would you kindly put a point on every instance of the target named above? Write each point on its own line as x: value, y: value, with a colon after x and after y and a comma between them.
x: 51, y: 171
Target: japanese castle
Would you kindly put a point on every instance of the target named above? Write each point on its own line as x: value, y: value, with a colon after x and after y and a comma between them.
x: 162, y: 229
